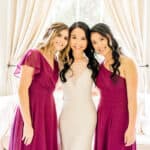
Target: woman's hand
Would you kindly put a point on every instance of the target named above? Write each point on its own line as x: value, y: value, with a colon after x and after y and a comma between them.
x: 27, y: 134
x: 129, y: 137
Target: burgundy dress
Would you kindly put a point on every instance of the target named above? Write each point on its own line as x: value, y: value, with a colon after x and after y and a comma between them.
x: 42, y: 106
x: 112, y: 115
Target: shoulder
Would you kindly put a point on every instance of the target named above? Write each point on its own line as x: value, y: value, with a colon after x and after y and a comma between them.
x: 32, y: 57
x: 128, y: 65
x: 127, y: 61
x: 33, y: 54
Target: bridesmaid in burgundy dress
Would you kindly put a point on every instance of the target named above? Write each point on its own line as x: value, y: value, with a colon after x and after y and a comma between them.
x: 117, y: 82
x: 35, y: 123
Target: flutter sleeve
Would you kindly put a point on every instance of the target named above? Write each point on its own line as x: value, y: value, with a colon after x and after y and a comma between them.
x: 32, y: 59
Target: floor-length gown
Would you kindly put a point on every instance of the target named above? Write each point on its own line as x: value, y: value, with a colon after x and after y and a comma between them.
x: 42, y: 106
x: 78, y: 116
x: 112, y: 115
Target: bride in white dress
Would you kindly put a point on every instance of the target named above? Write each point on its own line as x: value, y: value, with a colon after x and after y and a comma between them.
x: 78, y: 116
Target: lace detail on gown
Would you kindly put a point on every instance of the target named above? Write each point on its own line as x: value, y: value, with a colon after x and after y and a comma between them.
x: 78, y: 116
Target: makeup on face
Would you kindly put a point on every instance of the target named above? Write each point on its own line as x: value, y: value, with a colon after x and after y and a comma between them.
x: 78, y: 40
x: 61, y: 40
x: 100, y: 44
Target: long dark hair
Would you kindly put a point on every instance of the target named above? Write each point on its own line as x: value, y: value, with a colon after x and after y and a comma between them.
x: 89, y: 52
x: 105, y: 31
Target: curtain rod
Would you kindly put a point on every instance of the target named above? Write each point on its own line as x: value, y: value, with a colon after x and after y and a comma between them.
x: 147, y: 65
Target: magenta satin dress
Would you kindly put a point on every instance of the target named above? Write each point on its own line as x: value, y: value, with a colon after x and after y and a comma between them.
x: 42, y: 105
x: 112, y: 115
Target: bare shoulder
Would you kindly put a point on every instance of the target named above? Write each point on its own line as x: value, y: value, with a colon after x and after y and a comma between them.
x: 127, y: 62
x: 128, y: 66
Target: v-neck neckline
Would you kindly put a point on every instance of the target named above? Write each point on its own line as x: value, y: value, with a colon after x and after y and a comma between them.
x: 50, y: 66
x: 77, y: 77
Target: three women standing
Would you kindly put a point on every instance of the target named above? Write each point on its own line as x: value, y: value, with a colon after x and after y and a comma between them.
x: 35, y: 124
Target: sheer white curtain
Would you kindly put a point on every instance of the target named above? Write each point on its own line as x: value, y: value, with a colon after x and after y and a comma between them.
x: 26, y: 20
x: 129, y: 17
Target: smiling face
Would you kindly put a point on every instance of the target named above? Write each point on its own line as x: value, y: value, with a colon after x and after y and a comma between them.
x: 60, y: 41
x: 100, y: 44
x: 78, y: 40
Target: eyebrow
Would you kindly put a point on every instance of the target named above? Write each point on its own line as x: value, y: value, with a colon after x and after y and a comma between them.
x: 76, y: 35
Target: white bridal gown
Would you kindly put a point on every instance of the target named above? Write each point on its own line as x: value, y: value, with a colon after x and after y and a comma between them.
x: 78, y: 116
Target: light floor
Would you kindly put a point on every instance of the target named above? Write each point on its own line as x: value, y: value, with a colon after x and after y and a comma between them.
x: 143, y: 147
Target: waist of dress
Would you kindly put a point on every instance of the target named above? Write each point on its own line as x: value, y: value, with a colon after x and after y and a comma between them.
x: 79, y: 105
x: 41, y: 88
x: 78, y: 100
x: 113, y: 103
x: 77, y: 97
